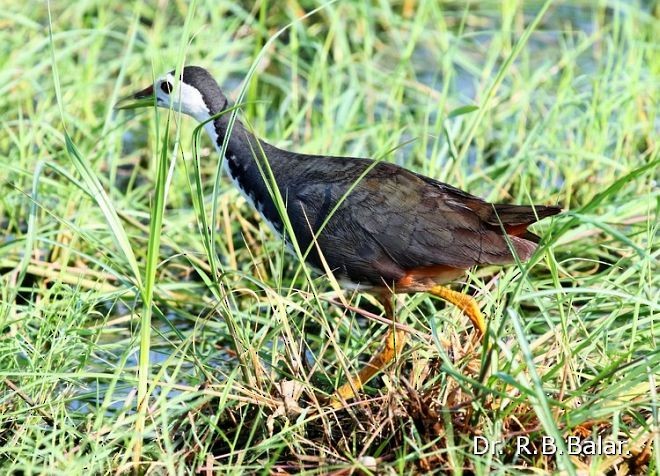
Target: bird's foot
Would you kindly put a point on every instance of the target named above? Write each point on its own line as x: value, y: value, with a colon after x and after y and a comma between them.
x: 394, y: 342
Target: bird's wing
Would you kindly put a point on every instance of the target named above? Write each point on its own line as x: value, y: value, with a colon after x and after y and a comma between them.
x: 399, y: 216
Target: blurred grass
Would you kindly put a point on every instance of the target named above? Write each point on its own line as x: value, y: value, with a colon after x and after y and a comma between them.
x: 239, y: 357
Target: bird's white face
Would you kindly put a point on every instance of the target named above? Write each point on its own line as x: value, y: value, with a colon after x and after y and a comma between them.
x: 169, y: 93
x: 180, y: 96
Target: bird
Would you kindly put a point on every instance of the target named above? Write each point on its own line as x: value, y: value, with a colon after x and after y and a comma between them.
x: 376, y: 226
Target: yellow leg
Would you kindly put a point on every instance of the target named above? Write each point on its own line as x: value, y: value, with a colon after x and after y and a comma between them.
x: 394, y: 342
x: 465, y: 303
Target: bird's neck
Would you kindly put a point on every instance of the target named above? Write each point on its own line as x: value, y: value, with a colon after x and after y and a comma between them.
x: 242, y: 146
x: 244, y: 162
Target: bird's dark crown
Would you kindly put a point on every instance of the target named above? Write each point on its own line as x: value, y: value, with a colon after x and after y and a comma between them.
x: 201, y: 79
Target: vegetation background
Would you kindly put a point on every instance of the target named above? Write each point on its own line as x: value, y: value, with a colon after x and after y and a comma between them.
x: 111, y: 289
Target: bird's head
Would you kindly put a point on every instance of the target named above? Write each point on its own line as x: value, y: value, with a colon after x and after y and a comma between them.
x: 195, y: 93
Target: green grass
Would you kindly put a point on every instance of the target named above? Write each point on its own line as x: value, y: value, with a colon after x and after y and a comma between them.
x: 131, y: 271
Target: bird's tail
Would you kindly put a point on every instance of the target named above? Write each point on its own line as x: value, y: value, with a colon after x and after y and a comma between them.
x: 516, y: 218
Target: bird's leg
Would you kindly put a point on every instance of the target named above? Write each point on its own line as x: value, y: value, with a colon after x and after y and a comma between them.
x: 465, y: 303
x: 395, y: 339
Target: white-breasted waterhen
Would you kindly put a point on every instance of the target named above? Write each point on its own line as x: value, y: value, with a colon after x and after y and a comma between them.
x: 394, y: 232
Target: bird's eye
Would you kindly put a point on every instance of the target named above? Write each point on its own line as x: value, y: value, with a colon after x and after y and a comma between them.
x: 166, y: 87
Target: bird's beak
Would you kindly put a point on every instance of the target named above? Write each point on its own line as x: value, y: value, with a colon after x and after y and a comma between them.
x: 142, y: 98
